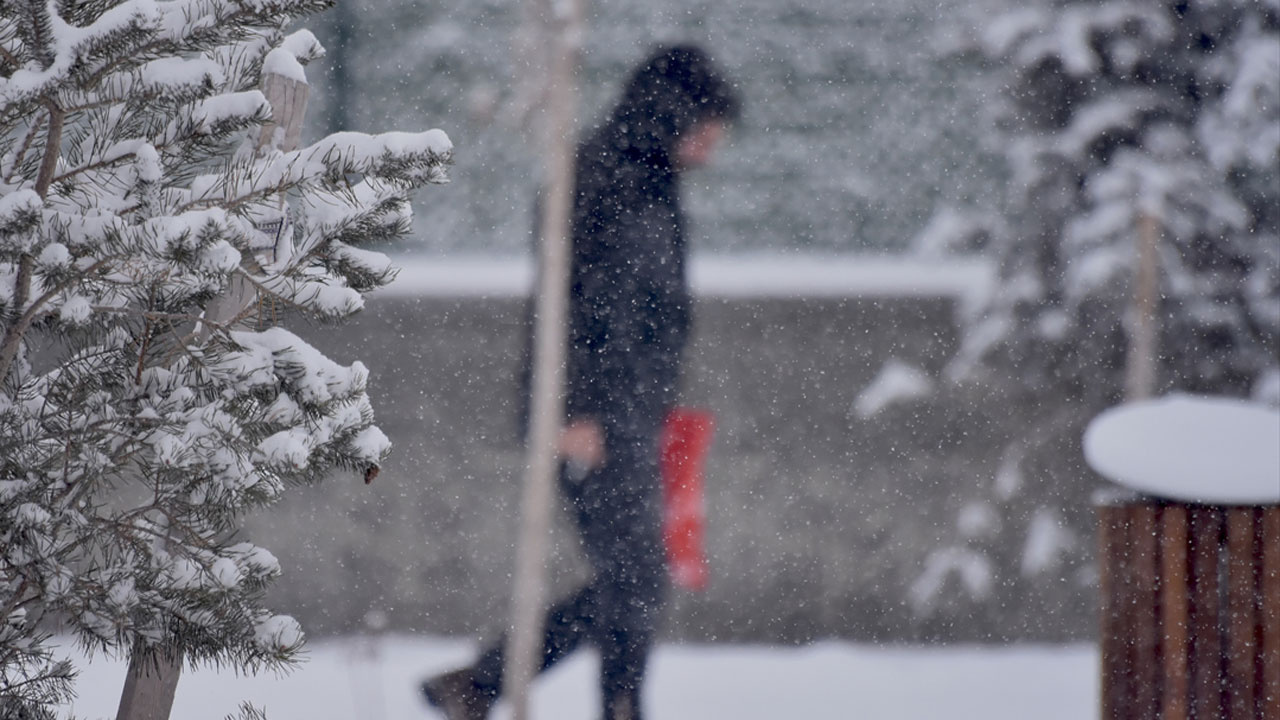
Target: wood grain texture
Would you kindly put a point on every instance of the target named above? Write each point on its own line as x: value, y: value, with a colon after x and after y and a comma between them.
x: 1206, y: 607
x: 1175, y: 613
x: 1241, y: 605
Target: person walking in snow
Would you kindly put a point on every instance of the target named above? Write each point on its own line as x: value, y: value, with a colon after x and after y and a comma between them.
x: 629, y: 319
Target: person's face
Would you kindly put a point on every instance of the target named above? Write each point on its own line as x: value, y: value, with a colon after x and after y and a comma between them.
x: 695, y: 147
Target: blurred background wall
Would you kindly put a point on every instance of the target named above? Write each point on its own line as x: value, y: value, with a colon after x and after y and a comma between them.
x: 831, y: 483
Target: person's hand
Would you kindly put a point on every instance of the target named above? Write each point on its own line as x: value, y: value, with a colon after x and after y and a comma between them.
x: 582, y: 444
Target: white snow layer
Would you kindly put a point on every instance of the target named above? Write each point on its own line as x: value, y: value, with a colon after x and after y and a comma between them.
x: 725, y: 276
x: 70, y: 43
x: 278, y: 632
x: 1048, y: 538
x: 978, y: 521
x: 1190, y: 448
x: 377, y: 677
x: 971, y: 568
x: 1266, y: 390
x: 16, y: 203
x: 897, y: 382
x: 180, y: 72
x: 281, y: 61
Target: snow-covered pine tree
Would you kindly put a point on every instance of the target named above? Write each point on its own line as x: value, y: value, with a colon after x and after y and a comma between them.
x: 151, y: 235
x: 1120, y: 115
x: 1123, y: 111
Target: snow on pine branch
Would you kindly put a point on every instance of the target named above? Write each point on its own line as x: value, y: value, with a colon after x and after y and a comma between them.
x: 416, y: 158
x: 1243, y: 130
x: 208, y: 116
x: 19, y: 210
x: 1030, y: 36
x: 205, y: 24
x: 77, y: 52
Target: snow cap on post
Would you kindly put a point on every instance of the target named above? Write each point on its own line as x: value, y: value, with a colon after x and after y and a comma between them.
x: 1211, y: 450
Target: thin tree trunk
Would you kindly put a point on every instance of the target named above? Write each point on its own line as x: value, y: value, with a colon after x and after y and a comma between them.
x: 149, y: 687
x: 1144, y: 330
x: 547, y: 404
x: 21, y: 321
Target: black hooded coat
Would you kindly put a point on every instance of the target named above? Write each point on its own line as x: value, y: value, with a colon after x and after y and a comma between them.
x: 629, y: 299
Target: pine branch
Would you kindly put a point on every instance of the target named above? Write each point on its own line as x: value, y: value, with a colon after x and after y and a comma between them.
x: 10, y: 58
x: 265, y: 289
x: 52, y: 150
x: 26, y: 144
x: 38, y: 31
x: 19, y: 327
x: 16, y: 602
x: 118, y: 159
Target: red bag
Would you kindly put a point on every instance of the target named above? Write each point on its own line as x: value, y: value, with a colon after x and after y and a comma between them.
x: 686, y: 438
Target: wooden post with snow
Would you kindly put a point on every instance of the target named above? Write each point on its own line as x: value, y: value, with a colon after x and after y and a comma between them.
x: 151, y: 683
x: 561, y: 22
x: 1190, y: 565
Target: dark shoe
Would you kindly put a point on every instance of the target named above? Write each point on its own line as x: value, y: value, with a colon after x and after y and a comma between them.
x: 623, y: 709
x: 456, y: 695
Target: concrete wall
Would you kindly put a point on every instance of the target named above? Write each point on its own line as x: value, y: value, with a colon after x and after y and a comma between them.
x: 819, y: 521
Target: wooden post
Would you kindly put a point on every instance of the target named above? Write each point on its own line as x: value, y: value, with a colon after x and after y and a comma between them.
x: 1269, y: 702
x: 152, y: 682
x: 1190, y: 611
x: 1241, y: 608
x: 1146, y: 615
x: 1190, y: 607
x: 288, y: 98
x: 1175, y: 613
x: 524, y: 647
x: 1117, y: 608
x: 1206, y: 608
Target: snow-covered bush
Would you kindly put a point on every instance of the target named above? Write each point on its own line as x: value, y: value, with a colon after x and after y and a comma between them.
x: 152, y: 234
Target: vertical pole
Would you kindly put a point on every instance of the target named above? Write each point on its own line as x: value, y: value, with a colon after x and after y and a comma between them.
x: 1144, y: 331
x: 523, y: 656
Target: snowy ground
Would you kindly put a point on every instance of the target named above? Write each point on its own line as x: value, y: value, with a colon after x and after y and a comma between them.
x: 362, y: 679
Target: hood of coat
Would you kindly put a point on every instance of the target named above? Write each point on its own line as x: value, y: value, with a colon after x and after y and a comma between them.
x: 675, y: 88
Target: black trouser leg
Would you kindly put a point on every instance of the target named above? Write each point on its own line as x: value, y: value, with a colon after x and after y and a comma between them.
x: 566, y: 625
x: 618, y: 513
x: 619, y: 518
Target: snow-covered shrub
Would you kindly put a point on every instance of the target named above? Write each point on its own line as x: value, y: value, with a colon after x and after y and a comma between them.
x: 152, y: 233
